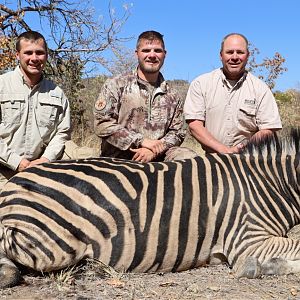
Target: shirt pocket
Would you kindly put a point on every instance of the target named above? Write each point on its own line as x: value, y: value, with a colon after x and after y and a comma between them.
x: 49, y: 109
x: 247, y: 118
x: 12, y: 107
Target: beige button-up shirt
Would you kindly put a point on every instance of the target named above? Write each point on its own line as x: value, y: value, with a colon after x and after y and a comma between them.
x: 231, y: 114
x: 33, y: 122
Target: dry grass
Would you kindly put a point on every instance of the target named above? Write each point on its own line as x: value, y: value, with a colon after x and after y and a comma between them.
x: 214, y: 282
x: 290, y: 110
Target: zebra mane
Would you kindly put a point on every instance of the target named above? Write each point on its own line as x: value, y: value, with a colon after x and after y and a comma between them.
x: 287, y: 142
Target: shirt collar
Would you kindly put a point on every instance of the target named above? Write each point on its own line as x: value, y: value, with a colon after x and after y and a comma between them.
x: 19, y: 72
x: 239, y: 82
x: 162, y: 85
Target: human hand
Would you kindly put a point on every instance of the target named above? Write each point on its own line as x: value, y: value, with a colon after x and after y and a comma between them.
x: 237, y: 148
x: 38, y: 161
x: 24, y: 163
x: 142, y: 155
x: 156, y: 146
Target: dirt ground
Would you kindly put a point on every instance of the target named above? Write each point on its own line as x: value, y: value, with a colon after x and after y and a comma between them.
x: 214, y: 282
x: 95, y: 281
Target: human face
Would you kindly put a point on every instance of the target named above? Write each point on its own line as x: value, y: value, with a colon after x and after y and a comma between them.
x: 151, y: 55
x: 33, y: 58
x: 234, y: 56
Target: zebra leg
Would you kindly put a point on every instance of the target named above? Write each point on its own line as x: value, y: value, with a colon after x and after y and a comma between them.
x: 250, y: 268
x: 280, y: 266
x: 9, y: 273
x: 274, y: 266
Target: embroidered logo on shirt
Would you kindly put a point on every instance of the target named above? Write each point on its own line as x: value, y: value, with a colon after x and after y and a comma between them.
x: 249, y: 101
x: 100, y: 104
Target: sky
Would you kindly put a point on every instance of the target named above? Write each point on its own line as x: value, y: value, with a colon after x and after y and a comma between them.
x: 193, y: 31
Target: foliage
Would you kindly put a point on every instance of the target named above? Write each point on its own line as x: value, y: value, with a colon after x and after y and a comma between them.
x: 181, y: 86
x: 7, y: 55
x: 289, y: 108
x: 83, y: 132
x: 269, y: 69
x: 285, y: 97
x: 70, y: 81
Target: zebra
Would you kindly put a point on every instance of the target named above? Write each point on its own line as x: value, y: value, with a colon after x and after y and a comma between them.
x: 159, y: 216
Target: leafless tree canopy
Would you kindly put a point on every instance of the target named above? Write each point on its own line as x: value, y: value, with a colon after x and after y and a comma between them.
x: 71, y: 27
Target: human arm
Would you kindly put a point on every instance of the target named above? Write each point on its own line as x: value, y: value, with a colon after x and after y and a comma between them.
x: 155, y: 146
x: 116, y: 121
x: 172, y: 126
x: 25, y: 163
x: 8, y: 157
x: 207, y: 140
x: 38, y: 161
x: 267, y: 116
x: 60, y: 134
x: 195, y: 113
x: 175, y: 130
x: 196, y: 110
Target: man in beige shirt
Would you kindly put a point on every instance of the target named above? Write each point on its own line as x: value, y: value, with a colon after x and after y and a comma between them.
x: 35, y: 113
x: 229, y: 106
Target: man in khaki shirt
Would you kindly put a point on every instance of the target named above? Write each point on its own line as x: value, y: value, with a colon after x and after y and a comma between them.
x: 35, y: 113
x: 229, y: 106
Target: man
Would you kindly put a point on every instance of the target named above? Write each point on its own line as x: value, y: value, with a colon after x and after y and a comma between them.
x: 138, y: 116
x: 229, y: 106
x: 35, y: 113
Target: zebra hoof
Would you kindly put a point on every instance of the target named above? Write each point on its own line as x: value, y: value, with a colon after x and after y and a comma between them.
x: 9, y: 275
x: 250, y: 269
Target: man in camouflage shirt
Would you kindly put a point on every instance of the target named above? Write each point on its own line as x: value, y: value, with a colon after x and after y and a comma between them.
x: 137, y: 115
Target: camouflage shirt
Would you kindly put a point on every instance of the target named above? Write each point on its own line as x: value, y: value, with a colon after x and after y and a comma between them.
x: 129, y: 109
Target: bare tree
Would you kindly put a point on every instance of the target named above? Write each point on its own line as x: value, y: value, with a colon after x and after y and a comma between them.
x: 71, y: 27
x: 269, y: 69
x: 122, y: 61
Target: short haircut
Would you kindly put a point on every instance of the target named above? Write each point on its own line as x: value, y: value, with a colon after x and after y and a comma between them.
x: 231, y: 34
x: 31, y: 36
x: 150, y: 35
